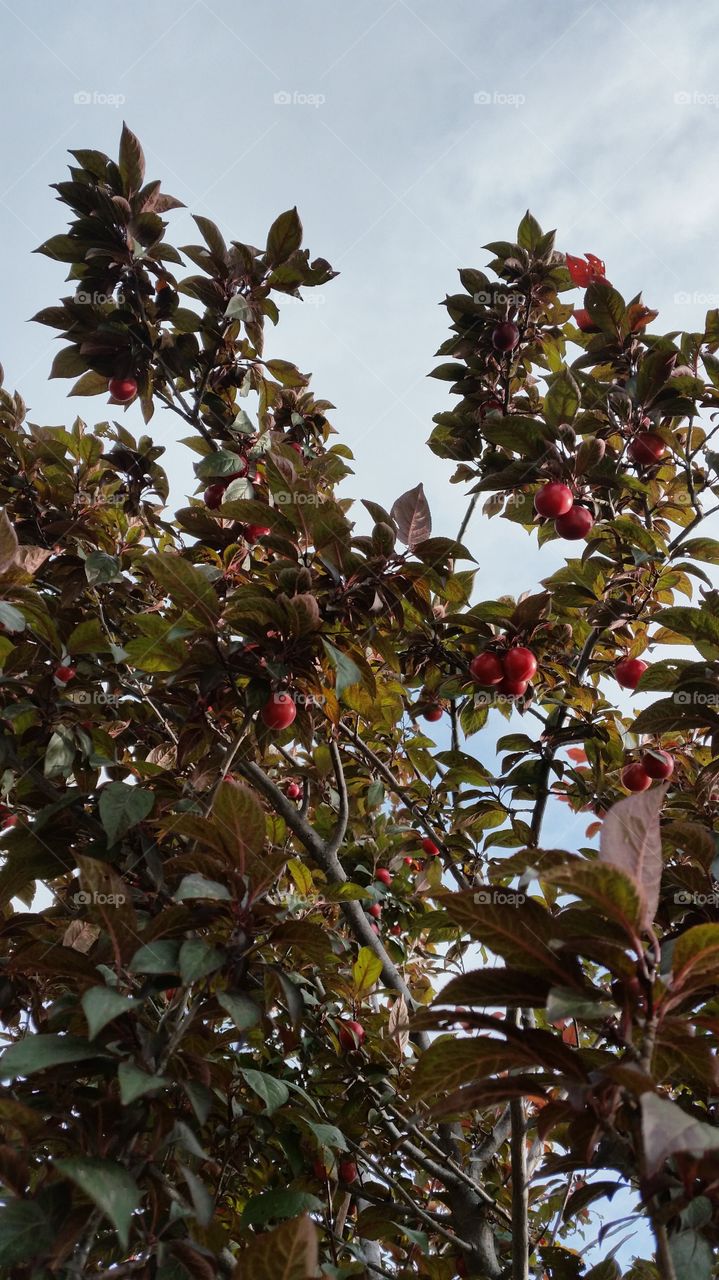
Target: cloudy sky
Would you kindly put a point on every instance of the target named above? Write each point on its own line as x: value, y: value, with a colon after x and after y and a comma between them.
x: 408, y: 133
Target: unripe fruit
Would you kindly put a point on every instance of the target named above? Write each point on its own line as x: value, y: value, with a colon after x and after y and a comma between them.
x: 253, y: 532
x: 348, y: 1170
x: 375, y: 910
x: 658, y: 764
x: 293, y: 790
x: 64, y: 674
x: 513, y: 688
x: 629, y: 671
x: 647, y: 449
x: 486, y: 668
x: 519, y: 664
x: 553, y: 500
x: 351, y: 1035
x: 122, y: 389
x: 279, y: 712
x: 430, y: 847
x: 214, y: 495
x: 505, y: 337
x: 634, y: 778
x: 383, y: 875
x: 575, y: 524
x: 433, y: 713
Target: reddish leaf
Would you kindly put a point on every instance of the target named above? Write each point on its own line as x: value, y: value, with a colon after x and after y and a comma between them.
x: 412, y: 517
x: 630, y: 841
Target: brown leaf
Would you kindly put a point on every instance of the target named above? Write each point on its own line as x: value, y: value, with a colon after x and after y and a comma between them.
x: 8, y: 544
x: 397, y: 1023
x: 667, y: 1129
x: 288, y: 1253
x: 412, y: 517
x: 80, y: 935
x: 630, y: 841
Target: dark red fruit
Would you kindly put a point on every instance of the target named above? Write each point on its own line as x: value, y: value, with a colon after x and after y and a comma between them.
x: 351, y: 1034
x: 320, y: 1169
x: 11, y: 821
x: 647, y: 449
x: 279, y: 712
x: 658, y: 764
x: 253, y: 532
x: 214, y: 494
x: 348, y: 1170
x: 486, y: 668
x: 635, y: 778
x: 519, y: 664
x: 575, y: 524
x: 122, y: 389
x: 629, y: 671
x: 553, y: 500
x: 396, y: 930
x: 512, y: 688
x: 505, y: 337
x: 430, y: 847
x: 383, y: 875
x: 293, y: 790
x: 375, y: 910
x: 65, y: 674
x: 433, y: 713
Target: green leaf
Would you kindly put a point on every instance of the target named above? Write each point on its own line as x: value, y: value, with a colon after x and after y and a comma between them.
x: 564, y: 1002
x: 101, y: 568
x: 274, y: 1093
x: 221, y: 462
x: 529, y: 232
x: 692, y: 1256
x: 102, y: 1005
x: 186, y: 585
x: 198, y: 886
x: 59, y: 754
x: 698, y: 625
x: 121, y: 807
x: 160, y: 956
x: 25, y: 1232
x: 37, y: 1052
x: 135, y: 1083
x: 240, y: 820
x: 562, y: 399
x: 243, y: 1011
x: 11, y: 618
x: 155, y: 652
x: 109, y: 1186
x: 366, y: 970
x: 706, y: 549
x: 8, y: 543
x: 274, y: 1206
x: 284, y: 237
x: 198, y: 959
x: 347, y: 673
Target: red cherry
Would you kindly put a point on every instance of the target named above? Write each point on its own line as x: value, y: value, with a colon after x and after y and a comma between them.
x: 490, y: 406
x: 348, y: 1170
x: 658, y: 764
x: 433, y: 713
x: 64, y: 674
x: 297, y: 447
x: 11, y: 821
x: 214, y: 494
x: 647, y: 449
x: 396, y: 930
x: 279, y: 712
x: 486, y: 668
x: 553, y: 500
x: 253, y: 532
x: 383, y: 875
x: 320, y: 1169
x: 293, y: 790
x: 513, y: 688
x: 122, y: 389
x: 584, y: 321
x: 635, y: 778
x: 375, y: 910
x: 430, y: 847
x: 629, y: 671
x: 575, y: 524
x: 505, y: 337
x: 519, y: 664
x: 408, y: 861
x: 351, y: 1034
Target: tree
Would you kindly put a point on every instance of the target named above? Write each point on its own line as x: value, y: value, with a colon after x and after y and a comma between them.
x: 246, y: 1034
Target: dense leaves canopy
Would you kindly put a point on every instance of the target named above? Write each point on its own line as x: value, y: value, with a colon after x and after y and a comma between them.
x: 287, y: 990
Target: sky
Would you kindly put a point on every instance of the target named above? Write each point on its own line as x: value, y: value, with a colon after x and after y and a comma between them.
x: 409, y: 133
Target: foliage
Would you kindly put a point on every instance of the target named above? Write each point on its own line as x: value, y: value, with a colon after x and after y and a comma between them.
x: 184, y: 1096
